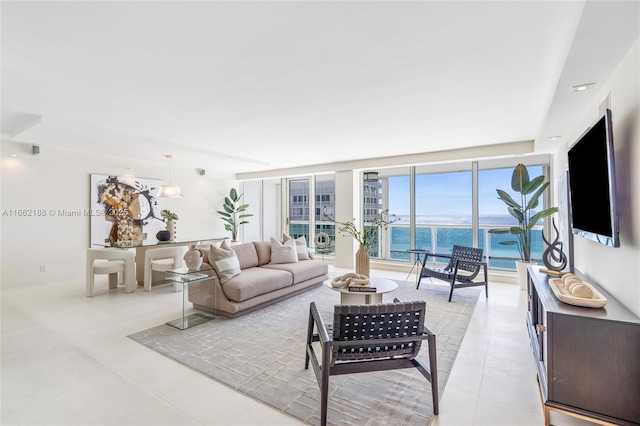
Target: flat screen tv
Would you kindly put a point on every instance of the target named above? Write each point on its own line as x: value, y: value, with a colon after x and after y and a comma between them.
x: 592, y: 184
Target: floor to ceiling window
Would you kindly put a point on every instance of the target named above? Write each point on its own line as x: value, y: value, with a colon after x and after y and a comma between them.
x: 298, y: 220
x: 443, y: 210
x: 325, y: 203
x: 313, y: 194
x: 398, y: 201
x: 435, y: 207
x: 494, y: 214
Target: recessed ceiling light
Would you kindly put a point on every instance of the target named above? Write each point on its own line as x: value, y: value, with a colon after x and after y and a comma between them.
x: 554, y: 138
x: 582, y: 87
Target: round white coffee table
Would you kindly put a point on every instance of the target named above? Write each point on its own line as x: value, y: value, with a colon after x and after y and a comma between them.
x: 382, y: 286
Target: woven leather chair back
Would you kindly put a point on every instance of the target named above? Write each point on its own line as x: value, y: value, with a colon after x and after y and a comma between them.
x: 462, y: 253
x: 377, y: 321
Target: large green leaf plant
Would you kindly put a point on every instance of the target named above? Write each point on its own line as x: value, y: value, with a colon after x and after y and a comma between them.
x: 530, y: 191
x: 234, y: 213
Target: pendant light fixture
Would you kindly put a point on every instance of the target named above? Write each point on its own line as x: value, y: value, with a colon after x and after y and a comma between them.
x: 169, y: 190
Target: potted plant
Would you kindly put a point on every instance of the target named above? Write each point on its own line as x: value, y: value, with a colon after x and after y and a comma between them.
x: 234, y: 213
x: 365, y: 237
x: 523, y: 210
x: 170, y: 219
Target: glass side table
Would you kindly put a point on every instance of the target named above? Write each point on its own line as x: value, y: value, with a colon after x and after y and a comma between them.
x: 324, y: 250
x: 184, y: 277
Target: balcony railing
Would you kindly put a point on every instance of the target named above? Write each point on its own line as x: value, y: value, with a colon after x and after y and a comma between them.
x: 441, y: 239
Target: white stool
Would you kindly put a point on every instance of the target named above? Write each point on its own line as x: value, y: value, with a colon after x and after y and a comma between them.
x: 119, y: 265
x: 163, y: 259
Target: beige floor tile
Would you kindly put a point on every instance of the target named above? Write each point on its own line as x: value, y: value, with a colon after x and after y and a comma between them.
x: 466, y: 376
x: 456, y: 408
x: 495, y: 413
x: 210, y: 402
x: 66, y: 360
x: 511, y: 385
x: 154, y: 413
x: 95, y: 403
x: 159, y: 374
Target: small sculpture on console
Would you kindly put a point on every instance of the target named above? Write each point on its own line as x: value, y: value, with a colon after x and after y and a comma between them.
x: 553, y: 257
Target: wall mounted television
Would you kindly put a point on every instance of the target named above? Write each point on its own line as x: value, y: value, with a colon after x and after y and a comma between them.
x: 592, y: 184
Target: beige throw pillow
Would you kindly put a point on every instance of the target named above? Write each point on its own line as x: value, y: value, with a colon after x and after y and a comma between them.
x: 283, y: 253
x: 224, y: 261
x: 301, y: 246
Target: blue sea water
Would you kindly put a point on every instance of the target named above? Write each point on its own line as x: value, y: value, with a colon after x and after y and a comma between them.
x: 445, y: 231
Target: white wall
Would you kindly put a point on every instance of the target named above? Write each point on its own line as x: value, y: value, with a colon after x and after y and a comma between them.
x: 58, y: 180
x: 252, y: 231
x: 271, y: 209
x: 616, y: 269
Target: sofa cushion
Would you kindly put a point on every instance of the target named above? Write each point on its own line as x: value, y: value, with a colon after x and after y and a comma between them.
x: 224, y: 261
x: 301, y: 271
x: 247, y: 256
x: 253, y: 282
x: 263, y: 249
x: 301, y: 246
x: 283, y: 252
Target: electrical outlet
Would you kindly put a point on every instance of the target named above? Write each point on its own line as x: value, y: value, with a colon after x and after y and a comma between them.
x: 43, y: 268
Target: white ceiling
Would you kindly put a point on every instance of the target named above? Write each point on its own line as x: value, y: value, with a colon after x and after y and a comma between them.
x: 249, y: 86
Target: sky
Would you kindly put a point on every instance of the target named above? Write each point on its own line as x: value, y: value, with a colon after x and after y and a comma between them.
x: 450, y: 193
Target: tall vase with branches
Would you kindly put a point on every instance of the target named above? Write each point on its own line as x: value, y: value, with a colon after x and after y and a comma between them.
x: 366, y: 237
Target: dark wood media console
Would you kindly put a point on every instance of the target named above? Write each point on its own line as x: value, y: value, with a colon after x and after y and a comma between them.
x: 588, y: 359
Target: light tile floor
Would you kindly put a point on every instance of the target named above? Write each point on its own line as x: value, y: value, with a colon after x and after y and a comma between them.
x: 66, y: 360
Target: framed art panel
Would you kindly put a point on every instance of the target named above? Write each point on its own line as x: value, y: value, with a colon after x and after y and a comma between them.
x: 126, y: 212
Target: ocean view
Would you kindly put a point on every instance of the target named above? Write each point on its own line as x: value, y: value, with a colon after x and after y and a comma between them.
x: 446, y: 231
x: 487, y: 220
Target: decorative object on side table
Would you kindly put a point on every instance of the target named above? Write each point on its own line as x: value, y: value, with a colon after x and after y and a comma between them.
x: 523, y: 212
x: 234, y: 213
x: 363, y: 260
x: 366, y: 237
x: 572, y: 290
x: 170, y: 219
x: 193, y: 258
x: 163, y: 236
x: 322, y: 240
x: 350, y: 280
x: 553, y: 257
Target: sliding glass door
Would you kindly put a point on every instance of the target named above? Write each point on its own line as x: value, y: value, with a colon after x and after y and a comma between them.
x: 314, y: 194
x: 298, y: 220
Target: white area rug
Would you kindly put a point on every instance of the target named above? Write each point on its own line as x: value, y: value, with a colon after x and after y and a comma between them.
x: 262, y: 355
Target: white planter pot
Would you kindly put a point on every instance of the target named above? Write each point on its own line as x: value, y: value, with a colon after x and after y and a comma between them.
x: 171, y: 227
x: 521, y: 268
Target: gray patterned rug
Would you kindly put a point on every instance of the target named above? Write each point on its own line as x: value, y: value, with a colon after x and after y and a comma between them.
x: 262, y: 355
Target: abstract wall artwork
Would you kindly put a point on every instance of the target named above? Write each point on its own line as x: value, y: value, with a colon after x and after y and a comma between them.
x: 125, y: 210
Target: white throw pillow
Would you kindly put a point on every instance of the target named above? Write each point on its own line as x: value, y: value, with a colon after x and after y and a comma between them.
x: 301, y: 246
x: 225, y: 261
x: 283, y: 253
